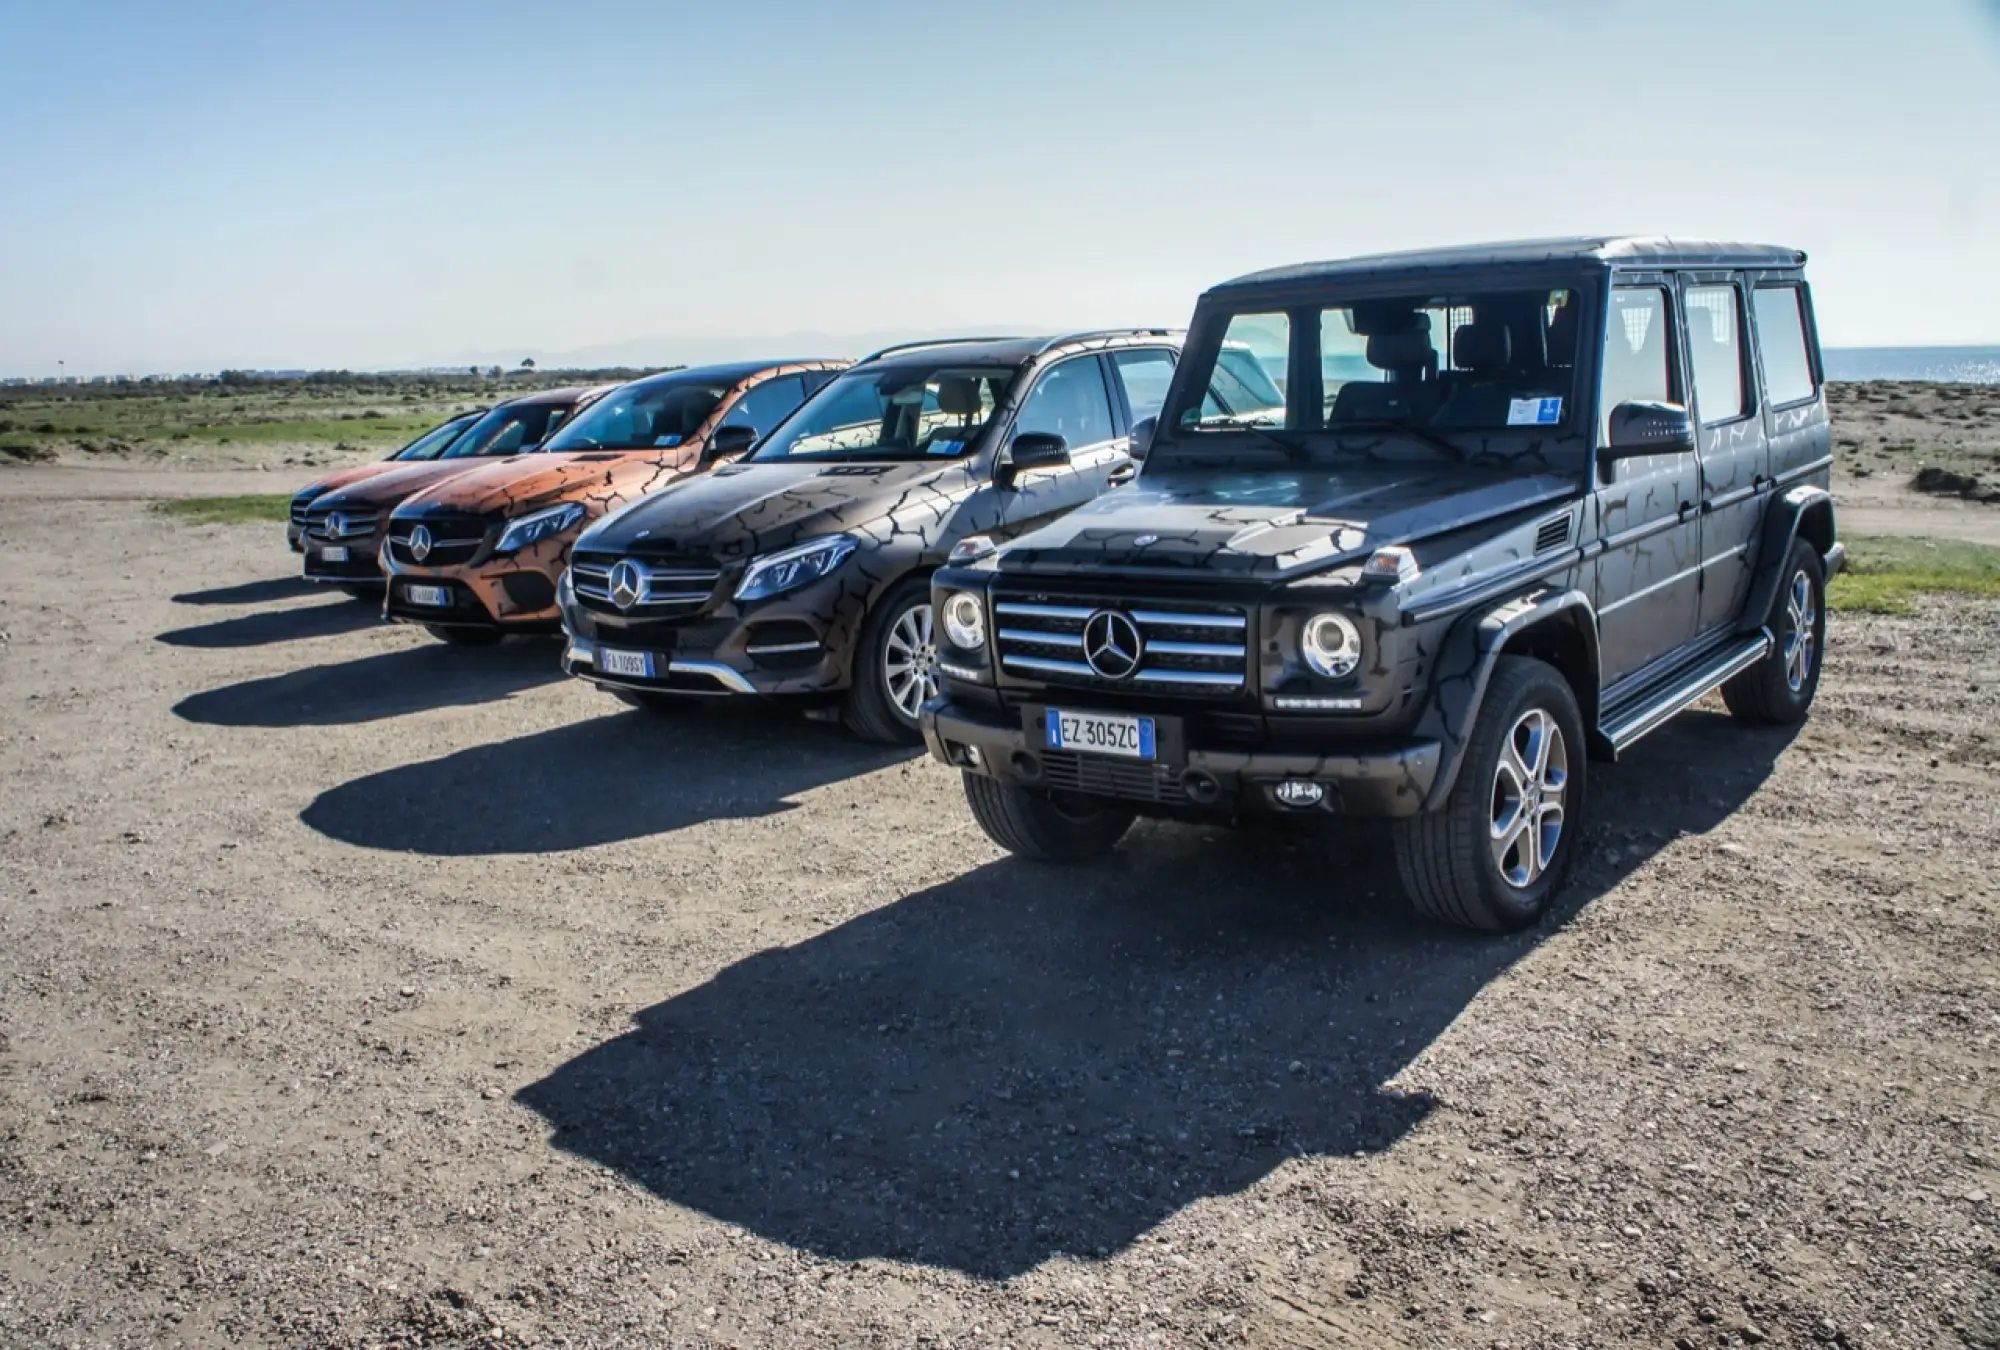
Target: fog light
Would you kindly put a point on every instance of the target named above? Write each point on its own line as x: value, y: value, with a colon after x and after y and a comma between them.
x: 1299, y: 792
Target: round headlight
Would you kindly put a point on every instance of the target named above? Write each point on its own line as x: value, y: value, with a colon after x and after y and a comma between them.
x: 1331, y: 645
x: 965, y: 621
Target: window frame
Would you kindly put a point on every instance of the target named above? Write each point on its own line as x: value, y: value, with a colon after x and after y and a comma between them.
x: 1121, y: 410
x: 1746, y: 369
x: 1113, y: 400
x: 1680, y: 377
x: 1797, y: 287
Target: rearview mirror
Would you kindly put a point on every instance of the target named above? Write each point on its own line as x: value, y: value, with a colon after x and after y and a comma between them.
x: 1033, y: 450
x: 1639, y: 427
x: 731, y: 440
x: 1142, y: 436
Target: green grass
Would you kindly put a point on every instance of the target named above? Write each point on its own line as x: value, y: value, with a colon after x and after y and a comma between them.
x: 244, y: 509
x: 1883, y: 575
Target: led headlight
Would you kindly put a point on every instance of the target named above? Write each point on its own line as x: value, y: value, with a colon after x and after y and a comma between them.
x: 538, y: 525
x: 775, y: 573
x: 1331, y: 645
x: 965, y: 621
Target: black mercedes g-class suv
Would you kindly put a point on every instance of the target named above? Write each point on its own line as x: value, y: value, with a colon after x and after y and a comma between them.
x: 1522, y: 504
x: 802, y: 573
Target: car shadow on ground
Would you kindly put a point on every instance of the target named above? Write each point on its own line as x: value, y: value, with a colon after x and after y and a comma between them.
x: 328, y: 619
x: 596, y: 781
x: 370, y: 688
x: 1026, y: 1061
x: 253, y: 592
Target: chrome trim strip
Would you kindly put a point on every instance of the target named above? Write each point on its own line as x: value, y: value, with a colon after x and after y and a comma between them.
x: 1204, y: 677
x: 1043, y: 639
x: 1465, y: 594
x: 581, y: 655
x: 780, y: 648
x: 1036, y: 663
x: 1164, y: 619
x: 1027, y: 611
x: 1193, y: 649
x: 1792, y: 475
x: 966, y: 673
x: 715, y: 670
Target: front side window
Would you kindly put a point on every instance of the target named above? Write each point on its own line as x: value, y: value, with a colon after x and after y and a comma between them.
x: 1715, y: 353
x: 644, y: 415
x: 1145, y: 373
x: 507, y: 430
x: 909, y: 410
x: 1638, y: 352
x: 435, y: 441
x: 1781, y: 343
x: 1408, y: 377
x: 767, y: 405
x: 1069, y: 401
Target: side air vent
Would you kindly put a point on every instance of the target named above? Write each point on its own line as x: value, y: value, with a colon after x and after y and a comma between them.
x: 1553, y: 533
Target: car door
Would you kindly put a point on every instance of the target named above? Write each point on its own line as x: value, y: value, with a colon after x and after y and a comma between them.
x: 1648, y: 506
x: 1070, y: 399
x: 1729, y: 429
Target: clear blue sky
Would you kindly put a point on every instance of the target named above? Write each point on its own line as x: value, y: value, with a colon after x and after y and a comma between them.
x: 194, y: 185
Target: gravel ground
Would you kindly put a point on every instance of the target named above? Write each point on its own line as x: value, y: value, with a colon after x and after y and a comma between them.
x: 358, y: 991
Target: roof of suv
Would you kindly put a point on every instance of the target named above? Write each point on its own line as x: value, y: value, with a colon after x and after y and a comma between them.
x: 1594, y: 250
x: 1008, y: 351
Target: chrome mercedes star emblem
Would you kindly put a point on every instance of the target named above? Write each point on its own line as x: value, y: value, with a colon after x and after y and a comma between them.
x: 336, y: 525
x: 1111, y: 644
x: 420, y: 543
x: 628, y: 583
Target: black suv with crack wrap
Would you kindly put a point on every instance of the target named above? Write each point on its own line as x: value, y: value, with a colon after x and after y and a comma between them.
x: 1517, y: 506
x: 803, y: 571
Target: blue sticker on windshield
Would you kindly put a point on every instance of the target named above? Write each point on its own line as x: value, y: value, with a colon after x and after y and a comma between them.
x: 946, y: 447
x: 1534, y: 412
x: 668, y: 440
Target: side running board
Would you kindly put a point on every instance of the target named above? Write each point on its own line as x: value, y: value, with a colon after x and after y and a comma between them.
x: 1645, y: 709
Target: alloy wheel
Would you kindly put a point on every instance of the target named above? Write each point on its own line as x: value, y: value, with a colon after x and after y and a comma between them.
x: 1530, y: 784
x: 1801, y: 623
x: 909, y: 661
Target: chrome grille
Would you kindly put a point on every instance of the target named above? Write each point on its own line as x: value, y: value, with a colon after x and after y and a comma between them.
x: 454, y: 539
x: 1188, y: 649
x: 668, y: 589
x: 301, y: 504
x: 360, y: 524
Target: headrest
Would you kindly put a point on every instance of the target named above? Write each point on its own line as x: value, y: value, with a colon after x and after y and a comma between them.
x: 1562, y: 335
x: 959, y: 396
x: 694, y: 412
x: 1407, y: 350
x: 1482, y: 346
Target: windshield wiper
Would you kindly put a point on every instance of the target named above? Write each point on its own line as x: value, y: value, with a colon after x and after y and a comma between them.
x: 1421, y: 435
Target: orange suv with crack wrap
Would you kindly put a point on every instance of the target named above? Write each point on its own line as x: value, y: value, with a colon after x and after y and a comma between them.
x: 478, y: 557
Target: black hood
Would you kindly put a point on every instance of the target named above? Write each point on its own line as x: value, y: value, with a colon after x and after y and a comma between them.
x: 741, y: 510
x: 1274, y: 524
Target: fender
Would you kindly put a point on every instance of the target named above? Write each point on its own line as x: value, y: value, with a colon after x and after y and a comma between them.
x: 1803, y: 508
x: 1465, y: 667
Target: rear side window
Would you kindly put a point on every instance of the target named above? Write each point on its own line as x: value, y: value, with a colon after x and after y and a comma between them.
x: 1715, y: 353
x: 1070, y: 402
x: 1145, y: 374
x: 1638, y: 351
x: 1781, y: 343
x: 767, y: 405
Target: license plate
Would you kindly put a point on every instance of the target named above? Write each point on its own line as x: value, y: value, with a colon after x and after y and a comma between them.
x: 614, y: 662
x: 338, y: 553
x: 1101, y: 733
x: 436, y: 596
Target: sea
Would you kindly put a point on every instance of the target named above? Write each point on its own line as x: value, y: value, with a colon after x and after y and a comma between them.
x: 1951, y: 365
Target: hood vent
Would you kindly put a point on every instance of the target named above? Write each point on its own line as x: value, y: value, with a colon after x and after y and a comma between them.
x: 1552, y: 534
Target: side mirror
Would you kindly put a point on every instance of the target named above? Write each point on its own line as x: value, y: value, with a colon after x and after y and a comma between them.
x: 730, y: 440
x: 1142, y: 436
x: 1642, y: 428
x: 1032, y: 450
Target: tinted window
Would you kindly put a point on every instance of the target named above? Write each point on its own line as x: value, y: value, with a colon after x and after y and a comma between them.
x: 1781, y: 343
x: 435, y: 441
x: 895, y: 411
x: 1638, y: 351
x: 1145, y: 375
x: 507, y: 430
x: 663, y: 411
x: 1715, y: 353
x: 1069, y: 401
x: 767, y: 405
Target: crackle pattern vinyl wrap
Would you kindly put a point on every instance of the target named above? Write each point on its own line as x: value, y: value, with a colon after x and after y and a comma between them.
x: 601, y: 481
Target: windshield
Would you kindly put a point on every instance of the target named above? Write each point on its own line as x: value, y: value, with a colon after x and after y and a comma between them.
x: 435, y: 441
x: 641, y: 416
x: 1421, y: 376
x: 896, y: 412
x: 508, y: 429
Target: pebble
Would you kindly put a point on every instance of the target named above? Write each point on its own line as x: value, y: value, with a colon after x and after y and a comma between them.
x: 492, y: 1094
x: 1976, y: 1197
x: 408, y: 991
x: 1753, y: 1333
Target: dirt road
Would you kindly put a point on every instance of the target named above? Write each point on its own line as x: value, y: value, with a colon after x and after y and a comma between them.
x: 359, y: 991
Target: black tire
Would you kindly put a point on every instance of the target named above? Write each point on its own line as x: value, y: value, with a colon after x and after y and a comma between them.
x: 1447, y: 858
x: 1765, y: 694
x: 1032, y: 826
x: 647, y: 701
x: 464, y: 637
x: 869, y: 710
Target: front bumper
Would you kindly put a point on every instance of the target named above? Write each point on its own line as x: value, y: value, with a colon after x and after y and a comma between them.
x: 506, y: 599
x: 1187, y: 780
x: 294, y: 533
x: 354, y: 564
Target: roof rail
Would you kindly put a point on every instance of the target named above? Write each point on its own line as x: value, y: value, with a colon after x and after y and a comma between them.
x: 1102, y: 334
x: 938, y: 342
